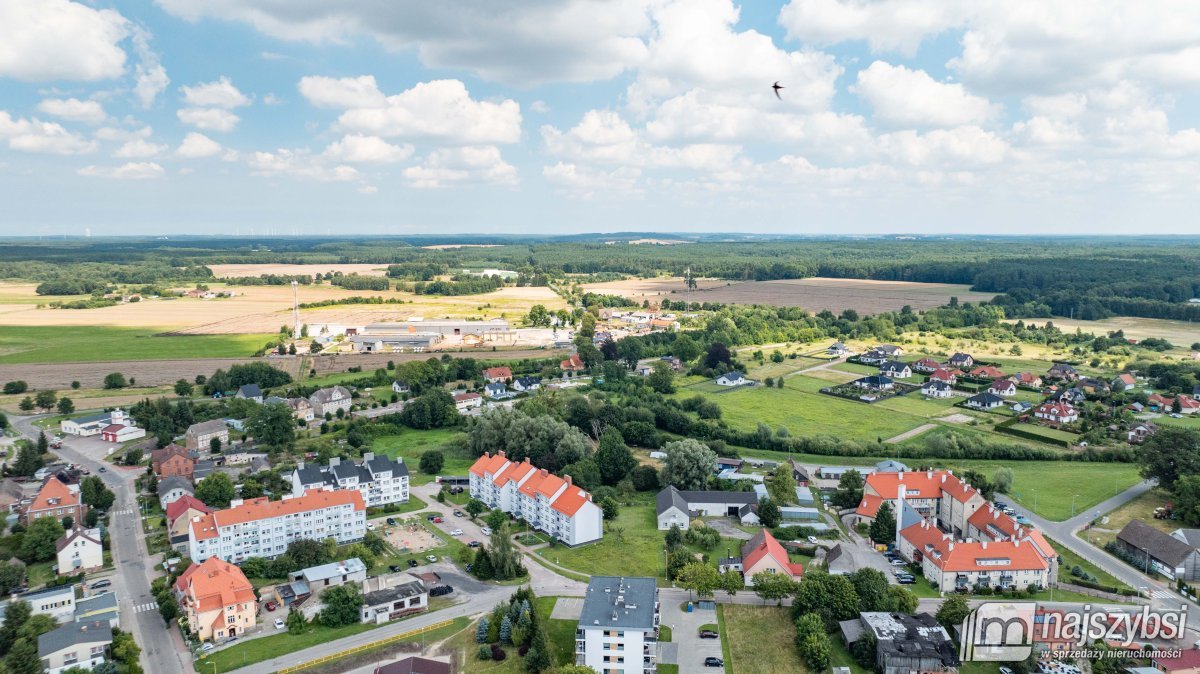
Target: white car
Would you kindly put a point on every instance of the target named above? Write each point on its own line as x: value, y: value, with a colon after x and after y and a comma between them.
x: 279, y: 623
x: 812, y: 539
x: 456, y: 532
x: 486, y: 531
x: 208, y: 646
x: 432, y: 558
x: 897, y: 562
x: 371, y: 526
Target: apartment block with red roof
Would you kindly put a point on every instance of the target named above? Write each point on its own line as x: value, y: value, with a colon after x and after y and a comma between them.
x: 547, y: 502
x: 55, y: 499
x: 951, y: 565
x: 262, y: 528
x: 936, y: 494
x: 217, y: 599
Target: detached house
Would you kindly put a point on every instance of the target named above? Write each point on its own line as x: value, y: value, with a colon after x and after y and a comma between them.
x: 330, y: 400
x: 1058, y: 413
x: 926, y: 365
x: 545, y: 501
x: 1004, y: 388
x: 734, y: 378
x: 1027, y: 379
x: 1124, y: 382
x: 217, y: 599
x: 172, y: 460
x: 678, y: 508
x: 762, y: 553
x: 400, y: 386
x: 55, y: 499
x: 497, y: 375
x: 527, y: 384
x: 838, y: 349
x: 572, y: 364
x: 961, y: 360
x: 1062, y: 371
x: 250, y: 392
x: 985, y: 401
x: 942, y: 374
x: 895, y: 369
x: 877, y: 382
x: 1159, y: 551
x: 82, y: 645
x: 987, y: 372
x: 79, y: 550
x: 465, y: 402
x: 199, y: 436
x: 935, y: 388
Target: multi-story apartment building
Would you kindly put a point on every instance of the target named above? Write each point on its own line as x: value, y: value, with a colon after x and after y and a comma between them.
x: 217, y: 599
x: 952, y: 565
x: 936, y: 494
x: 262, y: 528
x: 544, y: 500
x: 618, y: 626
x: 330, y: 400
x: 199, y: 436
x: 380, y: 480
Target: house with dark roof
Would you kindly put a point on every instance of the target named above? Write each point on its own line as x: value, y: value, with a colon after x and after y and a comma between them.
x: 199, y: 436
x: 172, y: 488
x: 400, y: 386
x: 380, y: 480
x: 875, y: 382
x: 1062, y: 371
x: 895, y: 368
x: 330, y: 400
x: 497, y: 391
x: 961, y: 360
x: 1162, y: 552
x: 677, y: 508
x: 392, y: 596
x: 733, y: 378
x: 904, y: 643
x: 936, y: 388
x: 250, y: 392
x: 837, y: 350
x: 83, y: 645
x: 985, y: 401
x: 526, y: 384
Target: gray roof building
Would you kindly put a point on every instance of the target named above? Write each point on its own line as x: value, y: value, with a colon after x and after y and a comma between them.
x: 904, y: 643
x: 622, y: 603
x: 74, y: 634
x: 1160, y: 551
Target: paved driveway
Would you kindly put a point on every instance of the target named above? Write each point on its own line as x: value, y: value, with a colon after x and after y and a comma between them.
x: 690, y: 649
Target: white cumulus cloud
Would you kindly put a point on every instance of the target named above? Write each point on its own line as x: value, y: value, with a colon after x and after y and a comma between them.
x: 127, y: 171
x: 73, y: 110
x: 139, y: 149
x: 342, y: 93
x: 356, y: 148
x: 476, y: 164
x: 212, y: 119
x: 218, y: 94
x: 441, y: 110
x: 911, y: 98
x: 34, y: 135
x: 47, y: 40
x: 197, y: 145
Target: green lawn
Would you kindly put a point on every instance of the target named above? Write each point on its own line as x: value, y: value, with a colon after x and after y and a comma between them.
x: 1047, y: 432
x: 637, y: 550
x: 561, y: 633
x: 412, y: 444
x: 39, y: 574
x: 760, y: 640
x: 1068, y: 560
x: 107, y: 343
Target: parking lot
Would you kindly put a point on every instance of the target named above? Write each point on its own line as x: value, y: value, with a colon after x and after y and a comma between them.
x: 687, y: 649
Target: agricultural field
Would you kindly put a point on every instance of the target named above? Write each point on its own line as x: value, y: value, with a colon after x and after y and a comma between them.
x: 29, y: 344
x: 1180, y: 333
x: 241, y: 270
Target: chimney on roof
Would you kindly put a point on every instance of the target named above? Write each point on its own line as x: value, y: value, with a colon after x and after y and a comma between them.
x: 951, y: 546
x: 943, y: 476
x: 500, y: 453
x: 236, y: 502
x: 985, y: 545
x: 901, y: 478
x: 568, y: 479
x: 335, y: 461
x: 300, y: 466
x: 929, y: 474
x: 1016, y: 542
x: 543, y: 472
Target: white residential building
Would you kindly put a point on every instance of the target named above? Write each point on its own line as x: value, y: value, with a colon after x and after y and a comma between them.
x: 618, y: 626
x: 95, y: 423
x: 330, y: 400
x: 80, y: 550
x: 544, y: 500
x: 380, y: 480
x: 262, y: 528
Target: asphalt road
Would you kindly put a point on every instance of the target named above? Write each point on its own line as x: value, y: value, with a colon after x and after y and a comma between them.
x: 162, y: 650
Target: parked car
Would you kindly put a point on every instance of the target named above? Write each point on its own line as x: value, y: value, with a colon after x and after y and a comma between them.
x: 897, y: 562
x: 456, y: 532
x: 440, y: 590
x: 370, y: 526
x: 208, y: 646
x: 708, y: 634
x: 711, y: 661
x: 438, y: 520
x: 431, y: 518
x: 271, y: 606
x: 412, y: 563
x: 279, y: 623
x: 1000, y: 505
x: 474, y: 544
x: 906, y: 580
x: 103, y: 469
x: 485, y: 531
x: 394, y: 568
x: 458, y: 513
x: 391, y: 521
x: 101, y: 583
x: 432, y: 558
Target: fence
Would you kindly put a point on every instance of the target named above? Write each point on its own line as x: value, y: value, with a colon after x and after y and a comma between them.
x: 404, y: 636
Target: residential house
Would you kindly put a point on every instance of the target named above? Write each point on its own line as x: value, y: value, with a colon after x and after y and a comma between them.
x: 79, y: 550
x: 55, y: 499
x: 304, y: 588
x: 734, y: 378
x: 1019, y: 408
x: 728, y: 463
x: 1138, y: 434
x: 393, y: 596
x: 935, y: 388
x: 199, y: 436
x: 414, y: 665
x: 1005, y: 388
x: 675, y: 363
x: 330, y: 400
x: 926, y: 365
x: 179, y: 519
x: 1056, y: 413
x: 1161, y: 552
x: 951, y: 565
x: 944, y: 375
x: 74, y: 645
x: 1062, y: 371
x: 838, y: 350
x: 217, y: 599
x: 57, y: 602
x: 526, y: 384
x: 172, y: 460
x: 985, y: 401
x: 961, y: 360
x: 1027, y: 379
x: 762, y: 553
x: 545, y: 501
x: 1186, y: 662
x: 891, y: 466
x: 1071, y: 396
x: 121, y: 433
x: 497, y: 375
x: 895, y: 369
x: 172, y: 488
x: 465, y: 402
x: 102, y: 607
x: 987, y: 372
x: 904, y: 643
x: 889, y: 350
x: 261, y: 528
x: 242, y: 456
x: 572, y: 364
x: 301, y: 408
x: 618, y: 626
x: 1093, y: 386
x: 1124, y: 382
x: 400, y: 386
x: 939, y: 495
x: 93, y: 424
x: 381, y: 481
x: 497, y: 391
x: 677, y: 508
x: 250, y: 392
x: 875, y: 382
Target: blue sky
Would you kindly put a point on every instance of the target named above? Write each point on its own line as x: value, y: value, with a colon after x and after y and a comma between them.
x: 397, y: 116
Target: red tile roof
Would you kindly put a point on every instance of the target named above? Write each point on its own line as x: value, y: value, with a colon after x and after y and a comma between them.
x: 920, y: 484
x: 213, y: 585
x: 503, y: 372
x: 571, y: 501
x: 185, y: 503
x: 942, y: 374
x: 755, y: 549
x: 948, y: 555
x: 54, y: 490
x: 986, y: 371
x: 1059, y: 409
x: 515, y: 473
x: 572, y: 363
x: 1189, y: 659
x: 313, y: 499
x: 488, y: 463
x: 869, y: 505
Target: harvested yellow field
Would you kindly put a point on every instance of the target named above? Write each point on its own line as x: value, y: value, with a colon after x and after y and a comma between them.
x: 240, y: 270
x: 263, y: 309
x: 1180, y: 333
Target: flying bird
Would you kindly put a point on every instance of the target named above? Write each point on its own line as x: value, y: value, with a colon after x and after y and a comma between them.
x: 777, y: 87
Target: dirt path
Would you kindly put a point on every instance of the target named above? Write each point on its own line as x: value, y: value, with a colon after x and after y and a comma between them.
x: 822, y: 366
x: 911, y: 434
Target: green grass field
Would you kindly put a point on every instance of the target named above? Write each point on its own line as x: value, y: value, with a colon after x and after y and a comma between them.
x: 760, y: 640
x: 412, y: 444
x: 106, y: 343
x: 1068, y: 560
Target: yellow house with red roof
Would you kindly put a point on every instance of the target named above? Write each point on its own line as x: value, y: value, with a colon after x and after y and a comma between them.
x: 935, y: 494
x: 217, y: 599
x: 546, y: 501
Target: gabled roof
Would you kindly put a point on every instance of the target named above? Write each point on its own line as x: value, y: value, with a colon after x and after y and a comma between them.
x: 986, y: 398
x: 173, y: 482
x: 920, y: 484
x: 326, y: 395
x: 206, y: 427
x: 941, y: 374
x: 250, y: 391
x: 987, y: 371
x: 946, y: 554
x: 157, y: 456
x: 214, y: 584
x: 936, y: 385
x: 1126, y: 379
x: 668, y: 498
x: 1056, y: 409
x: 544, y: 483
x: 515, y: 473
x: 526, y: 382
x: 77, y: 531
x: 488, y: 464
x: 261, y: 508
x: 571, y: 500
x: 893, y: 366
x: 763, y: 544
x: 1163, y: 547
x: 869, y: 506
x: 732, y: 375
x: 496, y: 372
x: 57, y: 491
x: 177, y: 508
x: 461, y: 397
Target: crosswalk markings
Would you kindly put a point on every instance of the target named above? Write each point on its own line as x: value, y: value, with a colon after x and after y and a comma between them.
x: 145, y: 607
x: 1161, y: 594
x: 126, y: 511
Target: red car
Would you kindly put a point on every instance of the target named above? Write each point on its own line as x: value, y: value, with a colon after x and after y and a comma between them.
x: 271, y: 606
x: 438, y: 520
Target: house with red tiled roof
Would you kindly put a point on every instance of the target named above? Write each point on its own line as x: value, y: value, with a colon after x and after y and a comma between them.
x: 217, y: 599
x: 544, y: 500
x: 172, y: 460
x: 1187, y: 662
x: 926, y: 365
x: 936, y: 494
x: 763, y: 553
x: 262, y: 528
x: 55, y: 499
x: 1124, y: 382
x: 987, y: 372
x: 1027, y: 379
x: 572, y: 364
x: 179, y: 519
x: 944, y: 375
x: 951, y: 565
x: 1056, y: 413
x: 497, y: 375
